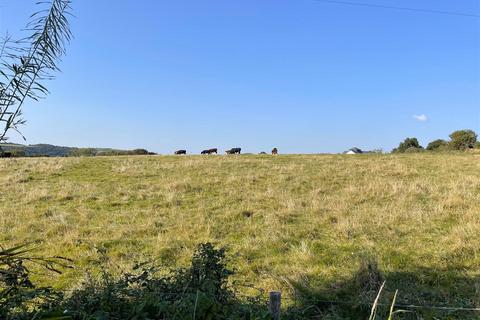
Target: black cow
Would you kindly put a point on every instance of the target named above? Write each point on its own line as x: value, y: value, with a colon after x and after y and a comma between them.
x: 6, y: 155
x: 234, y: 151
x: 274, y: 151
x: 210, y: 151
x: 181, y: 152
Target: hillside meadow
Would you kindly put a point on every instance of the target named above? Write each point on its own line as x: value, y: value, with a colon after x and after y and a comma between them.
x: 286, y: 221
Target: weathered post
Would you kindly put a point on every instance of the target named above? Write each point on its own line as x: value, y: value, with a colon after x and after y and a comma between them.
x: 274, y: 304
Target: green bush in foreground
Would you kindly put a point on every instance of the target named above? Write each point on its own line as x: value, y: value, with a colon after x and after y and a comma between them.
x: 201, y: 291
x: 19, y: 297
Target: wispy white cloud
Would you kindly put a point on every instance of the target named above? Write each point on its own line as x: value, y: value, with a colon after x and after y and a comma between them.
x: 420, y: 117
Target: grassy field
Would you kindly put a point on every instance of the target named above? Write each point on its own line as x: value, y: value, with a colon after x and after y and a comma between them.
x: 312, y: 219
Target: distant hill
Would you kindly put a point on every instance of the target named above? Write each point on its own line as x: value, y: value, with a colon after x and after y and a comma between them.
x: 49, y: 150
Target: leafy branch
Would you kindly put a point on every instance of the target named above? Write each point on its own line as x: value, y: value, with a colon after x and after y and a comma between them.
x: 26, y: 63
x: 17, y: 292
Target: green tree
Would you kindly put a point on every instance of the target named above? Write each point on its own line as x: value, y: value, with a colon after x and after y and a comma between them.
x: 410, y: 144
x: 436, y: 145
x: 463, y: 139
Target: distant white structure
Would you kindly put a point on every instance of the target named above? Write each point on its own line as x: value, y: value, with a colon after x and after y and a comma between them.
x: 354, y: 151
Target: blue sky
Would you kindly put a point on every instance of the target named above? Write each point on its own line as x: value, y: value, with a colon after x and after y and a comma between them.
x: 301, y: 75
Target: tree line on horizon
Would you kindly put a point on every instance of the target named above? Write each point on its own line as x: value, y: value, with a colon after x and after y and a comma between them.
x: 47, y: 150
x: 460, y: 140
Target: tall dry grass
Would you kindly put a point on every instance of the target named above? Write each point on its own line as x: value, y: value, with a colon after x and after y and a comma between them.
x: 305, y: 217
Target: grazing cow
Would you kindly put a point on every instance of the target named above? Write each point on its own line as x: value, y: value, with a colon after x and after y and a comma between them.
x: 6, y: 155
x: 234, y: 151
x: 274, y: 151
x: 181, y: 152
x: 210, y: 151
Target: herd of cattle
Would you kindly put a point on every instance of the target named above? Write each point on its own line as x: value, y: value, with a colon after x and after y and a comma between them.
x: 231, y: 151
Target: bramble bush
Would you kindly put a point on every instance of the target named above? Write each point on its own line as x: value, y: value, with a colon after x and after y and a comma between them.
x: 201, y: 291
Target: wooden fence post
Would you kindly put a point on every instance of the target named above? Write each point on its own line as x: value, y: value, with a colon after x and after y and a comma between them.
x: 274, y: 304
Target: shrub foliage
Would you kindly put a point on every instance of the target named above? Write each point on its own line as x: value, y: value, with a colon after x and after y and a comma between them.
x: 408, y: 145
x: 201, y: 291
x: 463, y: 140
x: 437, y: 145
